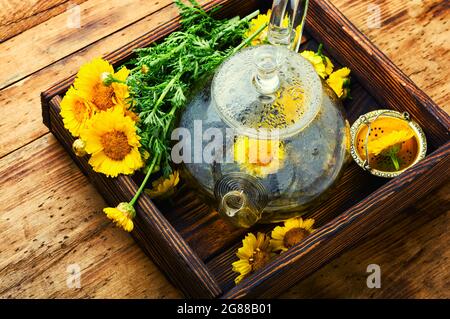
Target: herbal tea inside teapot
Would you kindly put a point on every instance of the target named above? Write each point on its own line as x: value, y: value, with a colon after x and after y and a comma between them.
x: 268, y: 137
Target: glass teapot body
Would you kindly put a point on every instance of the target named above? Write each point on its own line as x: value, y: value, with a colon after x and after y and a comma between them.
x: 267, y: 142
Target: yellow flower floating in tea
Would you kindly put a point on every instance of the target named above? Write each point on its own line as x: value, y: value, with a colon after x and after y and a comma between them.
x: 254, y: 254
x: 293, y: 232
x: 287, y: 109
x: 391, y: 139
x: 122, y: 215
x: 75, y: 111
x: 100, y: 86
x: 164, y: 187
x: 257, y: 156
x: 392, y: 144
x: 113, y: 143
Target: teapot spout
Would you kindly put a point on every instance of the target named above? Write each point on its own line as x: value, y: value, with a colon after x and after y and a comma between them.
x: 236, y: 208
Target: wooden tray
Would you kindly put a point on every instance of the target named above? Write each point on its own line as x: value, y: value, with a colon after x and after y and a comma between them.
x: 195, y: 248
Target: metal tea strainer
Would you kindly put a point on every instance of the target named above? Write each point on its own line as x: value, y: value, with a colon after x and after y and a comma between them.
x: 367, y: 120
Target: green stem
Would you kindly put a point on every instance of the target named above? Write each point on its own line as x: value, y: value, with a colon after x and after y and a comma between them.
x: 162, y: 96
x: 232, y: 25
x: 165, y: 91
x: 320, y: 54
x: 111, y: 79
x: 320, y: 49
x: 166, y: 127
x: 252, y: 15
x: 144, y: 182
x: 249, y: 39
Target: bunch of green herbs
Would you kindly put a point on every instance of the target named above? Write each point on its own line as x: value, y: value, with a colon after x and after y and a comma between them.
x: 163, y: 75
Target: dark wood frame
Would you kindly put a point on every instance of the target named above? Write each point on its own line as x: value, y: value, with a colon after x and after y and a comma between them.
x: 376, y: 74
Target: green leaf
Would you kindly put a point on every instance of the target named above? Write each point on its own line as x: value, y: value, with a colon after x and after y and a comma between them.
x: 392, y: 153
x: 395, y: 161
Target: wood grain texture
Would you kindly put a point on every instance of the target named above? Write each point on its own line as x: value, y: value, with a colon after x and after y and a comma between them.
x: 398, y: 26
x: 414, y: 35
x: 390, y: 87
x: 26, y: 122
x: 152, y: 230
x: 17, y: 16
x: 61, y: 224
x: 55, y: 39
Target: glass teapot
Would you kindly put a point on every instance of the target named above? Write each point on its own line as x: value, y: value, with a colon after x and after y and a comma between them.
x: 269, y: 137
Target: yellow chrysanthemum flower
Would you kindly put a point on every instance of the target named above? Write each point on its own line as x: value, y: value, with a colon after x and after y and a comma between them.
x: 122, y: 215
x: 112, y: 140
x: 74, y: 111
x: 388, y: 140
x: 338, y: 81
x: 164, y: 187
x: 293, y: 232
x: 100, y: 86
x: 322, y: 64
x: 254, y: 254
x: 257, y: 156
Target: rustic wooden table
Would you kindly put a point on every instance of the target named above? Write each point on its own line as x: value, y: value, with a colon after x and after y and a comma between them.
x: 50, y: 216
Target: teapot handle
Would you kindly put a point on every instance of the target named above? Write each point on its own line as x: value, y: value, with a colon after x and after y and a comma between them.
x: 287, y: 22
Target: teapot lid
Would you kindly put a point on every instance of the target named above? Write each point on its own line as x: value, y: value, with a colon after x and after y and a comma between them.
x: 265, y: 88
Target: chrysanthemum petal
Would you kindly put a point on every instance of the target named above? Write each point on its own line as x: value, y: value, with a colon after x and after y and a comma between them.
x: 164, y: 186
x: 308, y: 223
x: 75, y: 112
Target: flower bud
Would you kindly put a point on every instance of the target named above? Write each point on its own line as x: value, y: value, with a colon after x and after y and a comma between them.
x: 79, y: 147
x: 127, y: 208
x: 144, y: 69
x: 145, y: 155
x: 106, y: 78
